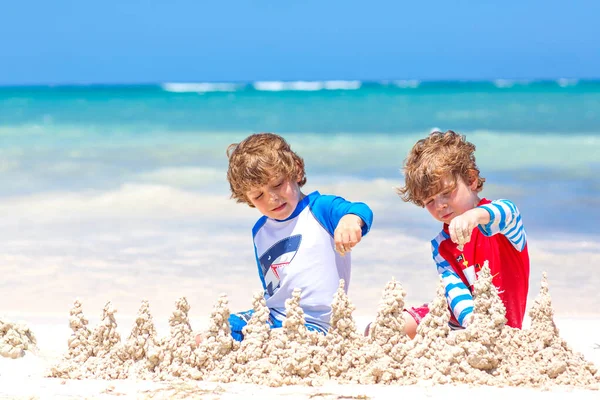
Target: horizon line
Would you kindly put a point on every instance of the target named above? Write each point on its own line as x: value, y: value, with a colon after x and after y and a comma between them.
x: 392, y: 82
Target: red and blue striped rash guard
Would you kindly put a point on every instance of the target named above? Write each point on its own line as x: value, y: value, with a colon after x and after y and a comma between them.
x: 503, y: 243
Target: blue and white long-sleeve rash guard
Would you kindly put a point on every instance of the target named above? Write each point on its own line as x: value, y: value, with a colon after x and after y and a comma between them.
x: 299, y: 252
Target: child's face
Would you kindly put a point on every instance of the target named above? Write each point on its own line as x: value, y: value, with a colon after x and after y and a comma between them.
x: 452, y: 200
x: 277, y: 199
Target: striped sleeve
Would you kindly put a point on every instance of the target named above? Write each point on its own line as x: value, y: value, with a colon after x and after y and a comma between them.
x: 505, y: 219
x: 458, y: 295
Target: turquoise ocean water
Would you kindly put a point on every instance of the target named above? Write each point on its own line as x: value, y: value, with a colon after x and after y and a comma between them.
x: 119, y: 192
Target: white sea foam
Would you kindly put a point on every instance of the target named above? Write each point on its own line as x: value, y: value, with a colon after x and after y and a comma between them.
x: 564, y: 82
x: 129, y: 201
x: 508, y: 83
x: 343, y: 85
x: 184, y: 177
x: 278, y: 86
x: 269, y: 86
x: 410, y: 83
x: 201, y: 87
x: 181, y: 200
x: 504, y: 83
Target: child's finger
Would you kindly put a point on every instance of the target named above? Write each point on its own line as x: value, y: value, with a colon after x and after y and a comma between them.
x: 353, y: 238
x: 339, y: 241
x: 337, y: 237
x: 453, y: 236
x: 468, y: 237
x: 460, y: 235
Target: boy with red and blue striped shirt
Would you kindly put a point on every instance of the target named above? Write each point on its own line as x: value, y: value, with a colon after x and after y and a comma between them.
x: 441, y: 175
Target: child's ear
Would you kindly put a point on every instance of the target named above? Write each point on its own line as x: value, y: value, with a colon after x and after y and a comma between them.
x: 473, y: 179
x: 299, y: 174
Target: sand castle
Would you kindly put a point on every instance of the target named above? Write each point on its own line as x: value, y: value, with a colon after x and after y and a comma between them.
x: 486, y: 353
x: 15, y: 339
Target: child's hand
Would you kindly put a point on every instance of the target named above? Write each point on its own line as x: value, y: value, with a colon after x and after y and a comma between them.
x: 348, y: 233
x: 461, y: 227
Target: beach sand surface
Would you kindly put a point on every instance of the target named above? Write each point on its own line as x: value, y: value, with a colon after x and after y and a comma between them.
x: 27, y: 377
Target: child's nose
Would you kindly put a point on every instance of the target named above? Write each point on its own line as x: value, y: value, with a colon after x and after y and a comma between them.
x: 440, y: 203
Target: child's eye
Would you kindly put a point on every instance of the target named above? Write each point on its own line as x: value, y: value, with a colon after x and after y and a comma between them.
x: 279, y: 184
x: 258, y: 197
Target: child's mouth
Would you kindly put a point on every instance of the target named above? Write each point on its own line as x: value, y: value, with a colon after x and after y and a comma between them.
x: 281, y: 207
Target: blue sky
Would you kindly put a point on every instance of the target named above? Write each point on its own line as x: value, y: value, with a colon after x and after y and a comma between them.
x: 125, y: 41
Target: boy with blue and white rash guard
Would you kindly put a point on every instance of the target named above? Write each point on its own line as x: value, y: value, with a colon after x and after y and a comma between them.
x: 301, y: 241
x: 441, y: 176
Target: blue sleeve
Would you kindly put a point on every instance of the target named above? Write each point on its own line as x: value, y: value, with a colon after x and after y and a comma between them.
x: 328, y: 210
x: 505, y: 219
x: 458, y: 295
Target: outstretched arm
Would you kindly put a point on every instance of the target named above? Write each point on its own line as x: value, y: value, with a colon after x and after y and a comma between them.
x: 461, y: 227
x: 347, y: 222
x: 505, y: 218
x: 499, y: 216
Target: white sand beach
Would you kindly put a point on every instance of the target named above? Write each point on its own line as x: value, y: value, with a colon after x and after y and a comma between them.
x: 24, y: 378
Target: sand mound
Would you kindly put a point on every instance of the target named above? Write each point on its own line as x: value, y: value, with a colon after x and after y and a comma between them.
x: 15, y: 339
x: 486, y: 353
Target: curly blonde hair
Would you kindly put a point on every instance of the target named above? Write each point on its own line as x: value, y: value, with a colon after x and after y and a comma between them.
x: 441, y: 154
x: 259, y: 158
